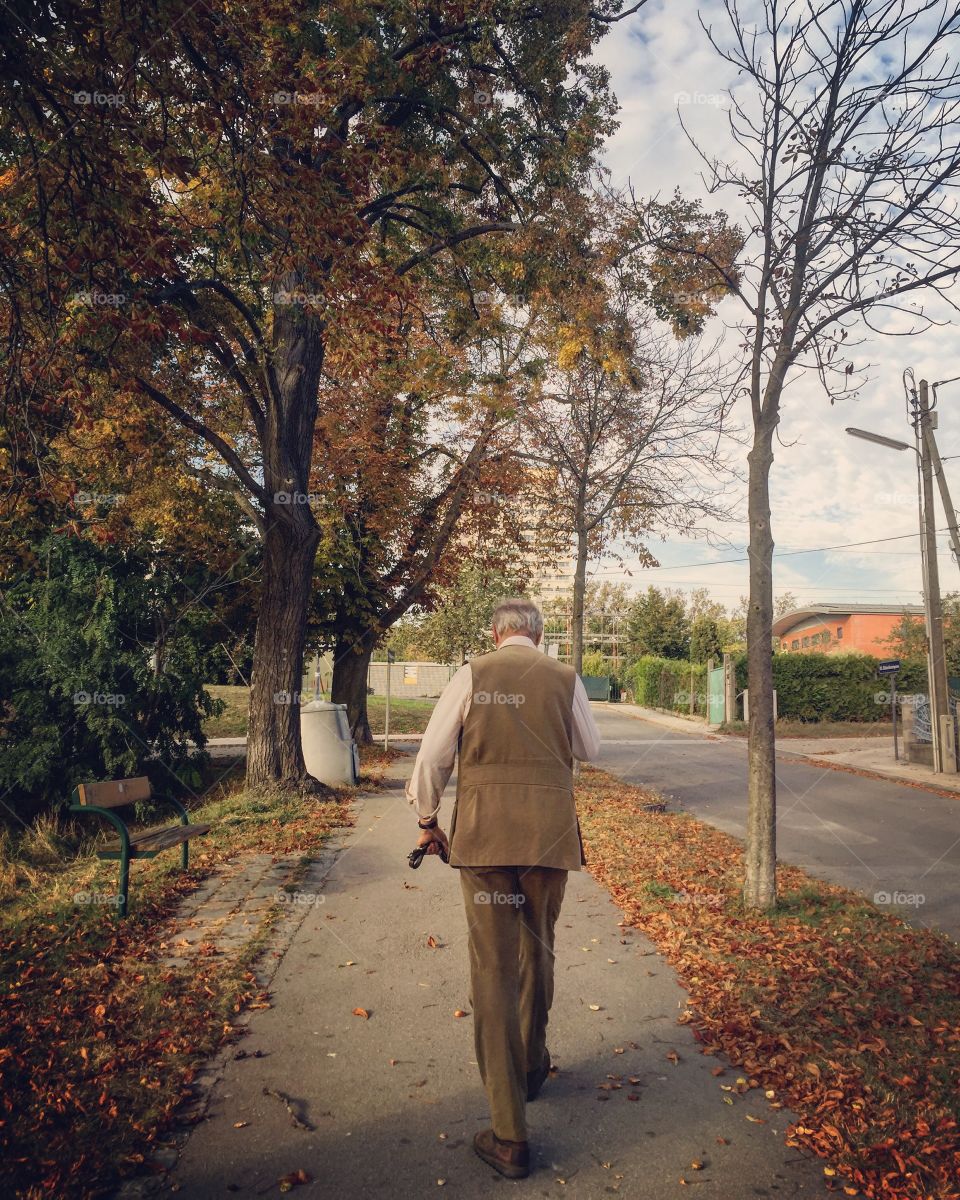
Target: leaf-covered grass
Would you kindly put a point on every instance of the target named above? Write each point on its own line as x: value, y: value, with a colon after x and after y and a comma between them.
x: 819, y: 729
x: 99, y: 1036
x: 406, y: 715
x: 850, y: 1015
x: 232, y: 721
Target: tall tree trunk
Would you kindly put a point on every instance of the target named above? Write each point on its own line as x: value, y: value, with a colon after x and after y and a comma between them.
x: 579, y: 588
x: 274, y: 752
x: 760, y: 883
x: 349, y: 687
x: 290, y: 537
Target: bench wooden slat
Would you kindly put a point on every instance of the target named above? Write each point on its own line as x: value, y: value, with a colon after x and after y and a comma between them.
x: 151, y: 841
x: 115, y: 792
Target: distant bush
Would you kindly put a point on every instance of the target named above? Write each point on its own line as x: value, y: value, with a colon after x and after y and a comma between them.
x: 834, y: 687
x: 595, y: 664
x: 666, y: 683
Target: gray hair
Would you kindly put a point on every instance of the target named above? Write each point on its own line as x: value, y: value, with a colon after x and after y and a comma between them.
x: 518, y: 616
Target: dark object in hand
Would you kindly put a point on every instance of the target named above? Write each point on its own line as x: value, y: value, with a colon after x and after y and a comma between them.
x: 415, y: 857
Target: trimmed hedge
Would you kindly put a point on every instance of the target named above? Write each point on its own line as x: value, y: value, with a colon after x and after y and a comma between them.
x: 834, y: 687
x: 665, y: 683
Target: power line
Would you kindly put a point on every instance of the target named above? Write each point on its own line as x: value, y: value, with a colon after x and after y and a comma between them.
x: 719, y: 562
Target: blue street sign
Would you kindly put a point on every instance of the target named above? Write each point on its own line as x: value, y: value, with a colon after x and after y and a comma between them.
x: 890, y: 667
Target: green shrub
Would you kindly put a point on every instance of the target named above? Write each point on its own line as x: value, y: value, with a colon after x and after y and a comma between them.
x: 594, y: 663
x: 666, y: 683
x: 82, y: 697
x: 834, y: 687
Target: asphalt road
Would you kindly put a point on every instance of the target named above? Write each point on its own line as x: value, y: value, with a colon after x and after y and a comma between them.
x: 898, y: 845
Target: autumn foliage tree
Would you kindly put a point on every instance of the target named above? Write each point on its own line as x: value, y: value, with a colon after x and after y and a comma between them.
x: 197, y: 199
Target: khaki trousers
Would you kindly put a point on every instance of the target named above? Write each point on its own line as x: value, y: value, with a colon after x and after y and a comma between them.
x: 511, y: 915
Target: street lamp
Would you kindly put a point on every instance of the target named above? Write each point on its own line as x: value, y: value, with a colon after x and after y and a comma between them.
x: 878, y: 438
x: 936, y: 665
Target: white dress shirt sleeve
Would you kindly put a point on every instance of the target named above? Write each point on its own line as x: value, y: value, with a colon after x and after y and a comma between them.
x: 586, y: 735
x: 438, y: 749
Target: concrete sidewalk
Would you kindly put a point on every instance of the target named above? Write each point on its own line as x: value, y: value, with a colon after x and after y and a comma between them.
x: 388, y: 1106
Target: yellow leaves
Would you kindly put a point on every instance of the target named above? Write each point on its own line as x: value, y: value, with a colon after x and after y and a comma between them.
x: 569, y: 352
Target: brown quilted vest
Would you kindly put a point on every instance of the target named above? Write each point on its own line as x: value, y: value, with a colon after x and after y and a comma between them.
x: 515, y: 803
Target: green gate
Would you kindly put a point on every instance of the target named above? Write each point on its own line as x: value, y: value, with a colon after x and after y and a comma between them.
x: 715, y: 704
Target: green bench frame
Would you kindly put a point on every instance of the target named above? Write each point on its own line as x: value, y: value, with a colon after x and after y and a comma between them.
x: 99, y: 799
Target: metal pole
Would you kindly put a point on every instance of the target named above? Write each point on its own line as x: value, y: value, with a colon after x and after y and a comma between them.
x: 937, y: 656
x: 948, y: 508
x: 893, y: 703
x: 386, y: 714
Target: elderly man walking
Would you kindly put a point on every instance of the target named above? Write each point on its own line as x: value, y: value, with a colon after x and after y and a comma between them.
x: 518, y: 719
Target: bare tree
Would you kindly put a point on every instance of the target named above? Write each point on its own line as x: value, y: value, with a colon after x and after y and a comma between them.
x: 845, y: 121
x: 625, y: 450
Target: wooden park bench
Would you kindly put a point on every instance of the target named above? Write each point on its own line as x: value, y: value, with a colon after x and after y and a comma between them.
x: 102, y: 799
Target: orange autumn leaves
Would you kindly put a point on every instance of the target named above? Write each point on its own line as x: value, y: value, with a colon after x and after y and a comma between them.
x: 851, y: 1016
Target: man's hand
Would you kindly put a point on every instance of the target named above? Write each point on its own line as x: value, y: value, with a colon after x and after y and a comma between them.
x: 435, y: 840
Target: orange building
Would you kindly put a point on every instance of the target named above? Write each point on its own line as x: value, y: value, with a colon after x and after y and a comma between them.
x: 842, y: 628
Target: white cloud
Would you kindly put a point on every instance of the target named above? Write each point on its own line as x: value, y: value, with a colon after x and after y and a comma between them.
x: 827, y: 488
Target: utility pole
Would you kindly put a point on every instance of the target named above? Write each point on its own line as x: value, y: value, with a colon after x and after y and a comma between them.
x: 936, y: 655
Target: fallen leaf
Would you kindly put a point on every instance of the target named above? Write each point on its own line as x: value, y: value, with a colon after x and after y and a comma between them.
x: 460, y: 1013
x: 240, y: 1124
x: 289, y: 1182
x: 672, y: 1056
x: 432, y: 942
x: 756, y: 1120
x: 594, y: 1007
x: 361, y: 1012
x: 696, y: 1165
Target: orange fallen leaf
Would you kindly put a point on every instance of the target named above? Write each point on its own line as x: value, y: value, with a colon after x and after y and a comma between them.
x: 672, y: 1056
x: 460, y: 1013
x: 432, y: 942
x: 288, y: 1182
x: 361, y: 1012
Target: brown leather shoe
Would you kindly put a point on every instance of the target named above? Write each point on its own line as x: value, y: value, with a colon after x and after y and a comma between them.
x: 536, y: 1080
x: 511, y: 1159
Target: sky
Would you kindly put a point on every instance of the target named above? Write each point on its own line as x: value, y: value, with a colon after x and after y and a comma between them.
x: 827, y: 489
